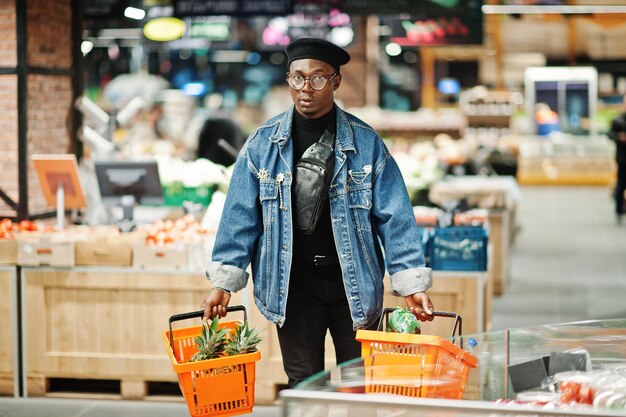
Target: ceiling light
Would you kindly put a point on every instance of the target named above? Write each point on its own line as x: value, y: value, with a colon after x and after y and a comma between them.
x: 164, y: 29
x: 86, y: 47
x: 121, y: 33
x: 134, y: 13
x: 393, y: 49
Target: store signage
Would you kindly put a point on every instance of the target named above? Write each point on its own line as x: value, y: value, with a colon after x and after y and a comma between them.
x: 232, y: 7
x: 460, y: 24
x: 99, y: 8
x: 334, y: 25
x: 214, y: 28
x: 401, y: 6
x: 315, y: 6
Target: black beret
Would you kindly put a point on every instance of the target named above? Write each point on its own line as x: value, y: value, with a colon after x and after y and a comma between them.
x: 320, y: 49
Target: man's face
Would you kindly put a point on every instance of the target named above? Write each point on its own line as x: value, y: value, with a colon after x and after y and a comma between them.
x: 311, y: 103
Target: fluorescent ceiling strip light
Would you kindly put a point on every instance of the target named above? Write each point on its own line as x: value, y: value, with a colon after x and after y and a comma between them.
x: 129, y: 33
x: 551, y: 9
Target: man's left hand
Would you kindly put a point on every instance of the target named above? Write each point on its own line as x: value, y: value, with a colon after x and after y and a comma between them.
x: 420, y: 305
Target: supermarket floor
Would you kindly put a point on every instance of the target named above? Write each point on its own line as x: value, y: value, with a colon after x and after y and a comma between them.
x: 568, y: 264
x: 568, y: 261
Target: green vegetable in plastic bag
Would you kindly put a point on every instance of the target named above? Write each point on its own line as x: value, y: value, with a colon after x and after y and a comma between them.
x: 402, y: 320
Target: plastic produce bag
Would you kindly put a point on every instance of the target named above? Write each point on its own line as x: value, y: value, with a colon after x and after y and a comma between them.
x: 402, y: 320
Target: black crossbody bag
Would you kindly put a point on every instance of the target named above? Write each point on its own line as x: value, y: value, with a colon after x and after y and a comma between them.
x: 313, y: 174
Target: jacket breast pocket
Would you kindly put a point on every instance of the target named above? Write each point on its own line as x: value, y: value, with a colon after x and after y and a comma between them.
x: 360, y: 203
x: 268, y: 195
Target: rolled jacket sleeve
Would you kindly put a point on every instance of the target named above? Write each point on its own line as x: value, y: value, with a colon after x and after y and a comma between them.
x: 412, y: 280
x: 227, y: 277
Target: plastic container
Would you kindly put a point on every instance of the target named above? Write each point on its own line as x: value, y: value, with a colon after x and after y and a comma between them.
x: 459, y: 248
x: 175, y: 194
x: 414, y: 365
x: 214, y: 387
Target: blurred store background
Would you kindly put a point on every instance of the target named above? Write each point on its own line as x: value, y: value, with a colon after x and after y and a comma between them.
x: 497, y: 112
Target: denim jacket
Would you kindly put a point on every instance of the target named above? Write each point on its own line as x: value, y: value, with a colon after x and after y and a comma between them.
x: 369, y: 207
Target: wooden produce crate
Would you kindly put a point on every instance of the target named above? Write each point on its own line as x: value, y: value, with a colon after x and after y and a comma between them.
x: 467, y: 293
x: 8, y: 332
x: 104, y: 251
x: 104, y: 324
x: 45, y: 249
x: 170, y: 257
x: 270, y: 375
x: 499, y: 229
x: 8, y: 251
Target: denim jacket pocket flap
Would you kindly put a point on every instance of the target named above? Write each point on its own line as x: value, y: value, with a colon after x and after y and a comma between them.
x: 268, y: 191
x: 361, y: 198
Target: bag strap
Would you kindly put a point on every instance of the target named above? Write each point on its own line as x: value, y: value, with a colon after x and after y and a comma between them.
x: 328, y: 137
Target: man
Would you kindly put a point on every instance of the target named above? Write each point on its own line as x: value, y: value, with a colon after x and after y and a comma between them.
x: 331, y: 279
x: 618, y: 135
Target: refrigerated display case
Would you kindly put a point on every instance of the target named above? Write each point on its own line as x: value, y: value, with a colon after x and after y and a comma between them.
x: 489, y: 389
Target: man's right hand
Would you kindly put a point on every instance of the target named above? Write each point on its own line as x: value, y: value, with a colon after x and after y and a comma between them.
x: 215, y: 304
x: 621, y: 136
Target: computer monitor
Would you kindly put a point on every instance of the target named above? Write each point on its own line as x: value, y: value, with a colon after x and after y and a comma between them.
x: 127, y: 183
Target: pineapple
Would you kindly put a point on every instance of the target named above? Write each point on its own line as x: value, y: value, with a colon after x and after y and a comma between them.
x: 242, y: 340
x: 211, y: 342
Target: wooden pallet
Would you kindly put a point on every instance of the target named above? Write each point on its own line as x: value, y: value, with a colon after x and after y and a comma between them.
x: 7, y: 387
x: 43, y: 386
x: 7, y: 332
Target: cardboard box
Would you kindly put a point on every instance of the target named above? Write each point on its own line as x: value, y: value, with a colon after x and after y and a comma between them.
x: 103, y: 251
x: 43, y: 249
x: 8, y: 251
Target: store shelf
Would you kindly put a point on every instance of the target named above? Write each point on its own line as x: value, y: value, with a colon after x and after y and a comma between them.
x: 540, y: 178
x: 566, y: 160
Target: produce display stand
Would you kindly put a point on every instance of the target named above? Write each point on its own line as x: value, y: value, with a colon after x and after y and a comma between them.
x: 500, y: 195
x: 489, y: 389
x: 102, y: 324
x: 566, y: 160
x: 301, y: 403
x: 468, y: 293
x: 8, y: 332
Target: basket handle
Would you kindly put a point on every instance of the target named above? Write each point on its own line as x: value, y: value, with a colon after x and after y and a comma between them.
x: 458, y: 321
x: 199, y: 314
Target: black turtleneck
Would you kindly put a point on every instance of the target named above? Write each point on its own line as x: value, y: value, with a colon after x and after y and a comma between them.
x: 304, y: 133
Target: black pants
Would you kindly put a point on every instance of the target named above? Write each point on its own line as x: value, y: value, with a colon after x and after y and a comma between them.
x: 620, y: 186
x: 316, y: 303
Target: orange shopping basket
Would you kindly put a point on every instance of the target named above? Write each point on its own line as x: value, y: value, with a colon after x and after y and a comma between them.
x: 215, y: 387
x: 414, y: 365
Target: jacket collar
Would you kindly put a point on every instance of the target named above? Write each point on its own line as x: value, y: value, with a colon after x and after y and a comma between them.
x: 344, y: 139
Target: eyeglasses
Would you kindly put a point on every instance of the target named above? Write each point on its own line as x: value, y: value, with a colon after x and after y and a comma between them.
x: 317, y: 81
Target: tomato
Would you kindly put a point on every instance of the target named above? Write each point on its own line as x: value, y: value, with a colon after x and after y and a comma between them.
x: 27, y: 226
x: 6, y: 224
x: 585, y: 395
x: 569, y: 391
x: 6, y: 235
